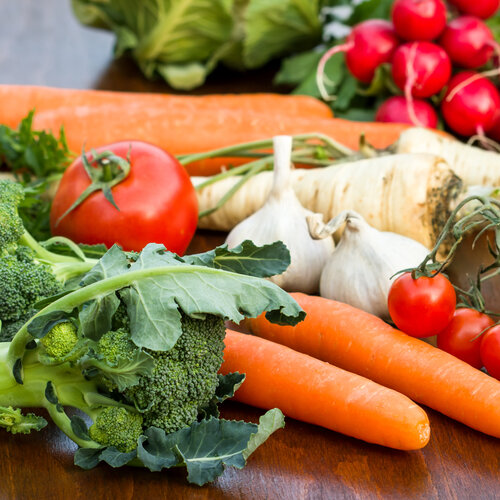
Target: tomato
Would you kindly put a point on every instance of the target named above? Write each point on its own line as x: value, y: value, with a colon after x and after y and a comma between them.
x: 457, y: 337
x: 490, y: 351
x: 157, y: 202
x: 421, y: 307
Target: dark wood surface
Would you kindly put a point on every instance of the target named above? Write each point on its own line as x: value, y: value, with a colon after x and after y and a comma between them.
x: 41, y: 43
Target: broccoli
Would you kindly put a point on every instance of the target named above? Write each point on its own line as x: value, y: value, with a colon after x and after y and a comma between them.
x: 136, y: 348
x: 28, y: 271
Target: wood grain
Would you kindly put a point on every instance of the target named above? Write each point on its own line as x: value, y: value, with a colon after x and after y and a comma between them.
x: 41, y: 43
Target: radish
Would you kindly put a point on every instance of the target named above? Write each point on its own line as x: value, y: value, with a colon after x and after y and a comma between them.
x: 480, y: 8
x: 419, y: 19
x: 370, y: 44
x: 494, y: 131
x: 468, y: 42
x: 470, y: 104
x: 420, y: 69
x: 396, y: 109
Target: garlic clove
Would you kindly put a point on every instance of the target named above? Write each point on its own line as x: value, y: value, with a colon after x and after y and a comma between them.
x: 361, y: 269
x: 283, y: 218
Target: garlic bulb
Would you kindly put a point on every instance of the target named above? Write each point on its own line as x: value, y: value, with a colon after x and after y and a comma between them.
x: 360, y: 269
x: 283, y: 218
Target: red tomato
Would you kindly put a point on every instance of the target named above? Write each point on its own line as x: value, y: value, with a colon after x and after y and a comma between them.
x: 421, y: 307
x: 490, y: 351
x: 157, y: 203
x: 457, y: 337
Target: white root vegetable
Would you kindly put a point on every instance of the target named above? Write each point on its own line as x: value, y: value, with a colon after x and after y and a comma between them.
x: 473, y: 165
x: 283, y: 218
x: 404, y: 194
x: 362, y: 268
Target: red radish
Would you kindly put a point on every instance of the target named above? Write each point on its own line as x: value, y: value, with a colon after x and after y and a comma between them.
x: 419, y: 19
x: 494, y: 131
x: 420, y: 69
x: 397, y: 110
x: 468, y: 42
x: 480, y: 8
x: 470, y: 104
x: 370, y: 44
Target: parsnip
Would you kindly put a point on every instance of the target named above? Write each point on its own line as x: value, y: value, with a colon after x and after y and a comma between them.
x: 473, y: 165
x: 406, y: 194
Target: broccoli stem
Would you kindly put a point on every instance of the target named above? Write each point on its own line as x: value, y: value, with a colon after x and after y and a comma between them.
x: 64, y: 267
x: 71, y: 388
x: 74, y: 299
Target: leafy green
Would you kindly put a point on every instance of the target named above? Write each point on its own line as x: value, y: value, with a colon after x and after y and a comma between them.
x: 34, y: 157
x: 276, y: 27
x: 183, y: 41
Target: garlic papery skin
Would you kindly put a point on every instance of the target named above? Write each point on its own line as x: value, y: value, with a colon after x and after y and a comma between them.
x: 283, y: 218
x: 361, y: 269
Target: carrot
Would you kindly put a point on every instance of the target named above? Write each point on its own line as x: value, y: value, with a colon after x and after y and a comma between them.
x: 406, y: 194
x: 362, y: 343
x: 316, y: 392
x: 185, y: 131
x: 17, y: 100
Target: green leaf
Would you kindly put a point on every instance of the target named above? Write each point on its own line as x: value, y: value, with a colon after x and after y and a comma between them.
x: 270, y: 422
x: 117, y: 458
x: 296, y: 68
x: 371, y: 9
x: 96, y: 316
x: 112, y: 263
x: 79, y: 427
x: 206, y: 447
x: 228, y: 385
x: 346, y: 93
x: 277, y: 27
x: 246, y: 258
x: 87, y: 458
x: 125, y: 372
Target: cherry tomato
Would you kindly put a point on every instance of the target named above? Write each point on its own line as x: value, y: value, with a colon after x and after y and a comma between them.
x: 457, y: 337
x: 157, y: 202
x: 490, y: 351
x: 421, y: 307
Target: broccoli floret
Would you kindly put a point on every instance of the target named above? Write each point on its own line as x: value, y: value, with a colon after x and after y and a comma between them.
x: 184, y: 379
x: 15, y: 422
x: 11, y: 224
x: 116, y: 345
x: 60, y: 340
x: 28, y: 271
x: 118, y: 427
x: 23, y: 282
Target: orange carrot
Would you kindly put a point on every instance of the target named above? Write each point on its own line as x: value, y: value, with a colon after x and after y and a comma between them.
x: 316, y: 392
x: 361, y: 343
x: 17, y: 100
x: 182, y: 131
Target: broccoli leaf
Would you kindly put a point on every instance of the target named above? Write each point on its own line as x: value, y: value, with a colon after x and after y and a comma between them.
x: 153, y: 302
x: 246, y: 258
x: 228, y: 385
x: 207, y: 446
x: 96, y: 316
x: 159, y: 284
x: 112, y: 263
x: 125, y: 372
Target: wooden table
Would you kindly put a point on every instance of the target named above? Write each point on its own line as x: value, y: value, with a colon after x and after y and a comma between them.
x: 41, y: 43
